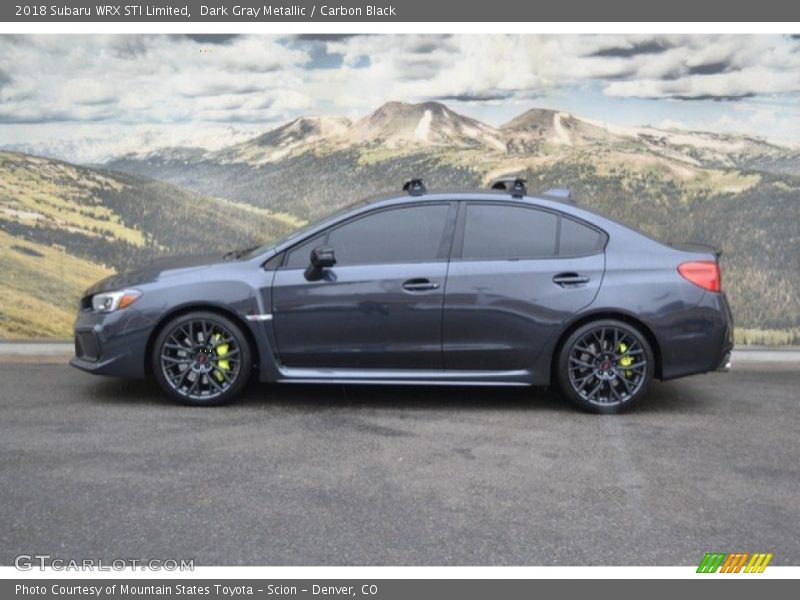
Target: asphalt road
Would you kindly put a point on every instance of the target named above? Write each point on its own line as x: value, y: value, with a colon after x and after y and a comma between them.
x: 332, y: 475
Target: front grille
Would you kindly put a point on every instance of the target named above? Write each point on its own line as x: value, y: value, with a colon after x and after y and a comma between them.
x: 87, y: 346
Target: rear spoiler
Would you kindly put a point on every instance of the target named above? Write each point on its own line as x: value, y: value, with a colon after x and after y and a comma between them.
x: 516, y: 186
x: 561, y: 193
x: 694, y: 247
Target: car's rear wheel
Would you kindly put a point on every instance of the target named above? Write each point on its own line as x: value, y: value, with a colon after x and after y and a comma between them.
x: 605, y: 366
x: 201, y: 359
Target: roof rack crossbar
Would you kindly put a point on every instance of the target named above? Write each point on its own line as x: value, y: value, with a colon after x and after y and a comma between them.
x: 515, y: 185
x: 414, y: 187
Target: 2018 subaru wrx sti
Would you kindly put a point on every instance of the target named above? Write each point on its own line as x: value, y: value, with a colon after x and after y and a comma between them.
x: 491, y: 287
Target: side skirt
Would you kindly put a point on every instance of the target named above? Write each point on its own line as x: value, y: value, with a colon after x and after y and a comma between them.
x: 518, y: 378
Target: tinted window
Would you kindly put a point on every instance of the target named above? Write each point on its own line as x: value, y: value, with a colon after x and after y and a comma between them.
x: 505, y: 232
x: 409, y: 234
x: 578, y: 240
x: 300, y: 256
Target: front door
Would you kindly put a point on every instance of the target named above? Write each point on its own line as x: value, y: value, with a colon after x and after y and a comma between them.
x: 380, y: 306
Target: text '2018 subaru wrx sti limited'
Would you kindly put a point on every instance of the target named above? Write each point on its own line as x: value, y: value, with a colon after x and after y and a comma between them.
x: 491, y: 287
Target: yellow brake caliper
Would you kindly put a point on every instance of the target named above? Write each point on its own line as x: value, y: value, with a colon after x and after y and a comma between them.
x: 222, y: 362
x: 625, y: 361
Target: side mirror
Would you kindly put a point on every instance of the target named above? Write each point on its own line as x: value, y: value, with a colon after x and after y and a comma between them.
x: 322, y: 257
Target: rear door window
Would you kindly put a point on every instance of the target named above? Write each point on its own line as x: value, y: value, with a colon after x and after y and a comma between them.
x: 505, y: 232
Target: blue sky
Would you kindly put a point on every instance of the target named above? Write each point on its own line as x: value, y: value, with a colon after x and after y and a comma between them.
x: 93, y: 95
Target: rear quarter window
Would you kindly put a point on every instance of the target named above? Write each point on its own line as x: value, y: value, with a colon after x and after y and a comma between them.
x: 577, y: 239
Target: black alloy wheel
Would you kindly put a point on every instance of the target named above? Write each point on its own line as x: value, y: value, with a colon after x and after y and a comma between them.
x: 201, y: 359
x: 605, y: 366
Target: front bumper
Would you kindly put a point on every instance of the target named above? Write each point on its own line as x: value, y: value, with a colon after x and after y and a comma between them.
x: 104, y: 367
x: 112, y: 344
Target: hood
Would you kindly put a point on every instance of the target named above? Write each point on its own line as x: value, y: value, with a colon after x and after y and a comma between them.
x: 157, y: 269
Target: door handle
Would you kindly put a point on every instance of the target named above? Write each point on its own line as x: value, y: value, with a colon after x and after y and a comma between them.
x: 570, y: 279
x: 420, y: 285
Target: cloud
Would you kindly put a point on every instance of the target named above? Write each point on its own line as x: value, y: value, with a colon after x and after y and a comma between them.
x: 324, y: 37
x: 730, y: 85
x: 474, y: 97
x: 213, y: 38
x: 251, y: 79
x: 144, y: 79
x: 709, y: 68
x: 715, y: 98
x: 722, y: 67
x: 756, y: 118
x: 632, y: 49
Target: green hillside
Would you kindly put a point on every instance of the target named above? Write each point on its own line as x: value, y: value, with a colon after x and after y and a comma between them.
x: 40, y: 288
x: 64, y: 227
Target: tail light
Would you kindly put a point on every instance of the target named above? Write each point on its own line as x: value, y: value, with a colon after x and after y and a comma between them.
x: 703, y: 273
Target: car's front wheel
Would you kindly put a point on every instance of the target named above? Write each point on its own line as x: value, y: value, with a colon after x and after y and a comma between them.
x: 605, y: 366
x: 201, y: 359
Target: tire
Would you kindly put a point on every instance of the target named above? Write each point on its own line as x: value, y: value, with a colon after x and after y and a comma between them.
x: 201, y: 359
x: 605, y: 366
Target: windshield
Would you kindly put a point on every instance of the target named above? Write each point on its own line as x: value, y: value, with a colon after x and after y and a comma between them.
x: 299, y: 233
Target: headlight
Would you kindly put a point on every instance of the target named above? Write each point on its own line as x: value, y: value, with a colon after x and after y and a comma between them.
x: 110, y: 301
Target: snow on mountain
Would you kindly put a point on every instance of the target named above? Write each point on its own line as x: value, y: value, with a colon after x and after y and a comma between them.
x: 297, y: 136
x: 538, y: 126
x: 397, y: 124
x: 426, y: 126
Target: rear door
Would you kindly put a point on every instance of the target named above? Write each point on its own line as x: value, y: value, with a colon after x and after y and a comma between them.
x: 516, y: 274
x: 380, y: 306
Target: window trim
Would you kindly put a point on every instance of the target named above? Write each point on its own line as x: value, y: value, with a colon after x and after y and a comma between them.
x: 457, y: 253
x: 445, y: 243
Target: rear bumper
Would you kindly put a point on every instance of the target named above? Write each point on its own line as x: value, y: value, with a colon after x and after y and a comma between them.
x: 727, y: 327
x: 700, y: 343
x: 725, y: 365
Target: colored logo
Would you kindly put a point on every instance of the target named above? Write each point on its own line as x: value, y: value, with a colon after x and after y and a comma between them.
x: 735, y: 562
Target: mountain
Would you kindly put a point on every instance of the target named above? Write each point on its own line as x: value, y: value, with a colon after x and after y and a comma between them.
x: 301, y: 135
x: 393, y: 126
x: 538, y: 127
x: 397, y: 124
x: 398, y: 127
x: 722, y: 150
x: 345, y: 159
x: 100, y: 144
x: 63, y: 227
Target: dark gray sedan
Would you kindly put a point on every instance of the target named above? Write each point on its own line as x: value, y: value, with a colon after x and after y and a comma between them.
x: 491, y: 287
